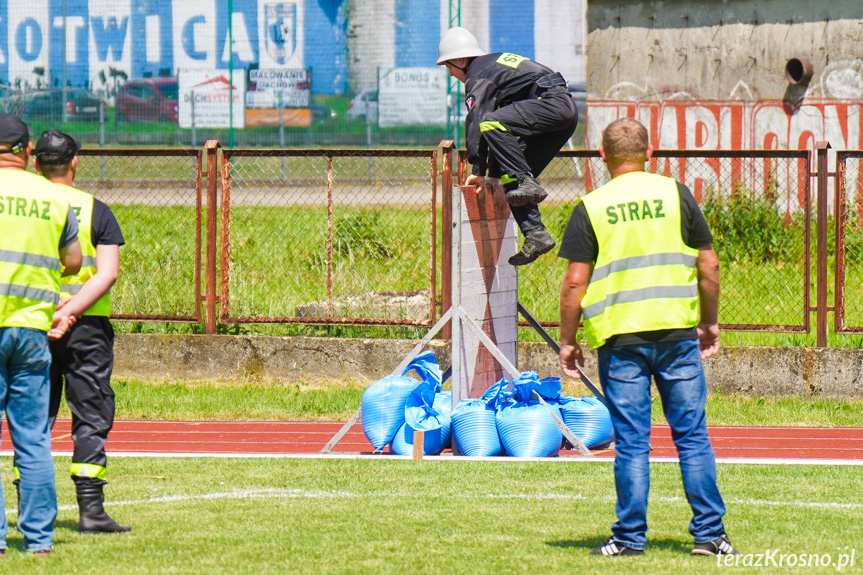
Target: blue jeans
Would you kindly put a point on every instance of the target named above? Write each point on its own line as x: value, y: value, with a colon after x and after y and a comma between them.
x: 625, y: 372
x: 24, y: 392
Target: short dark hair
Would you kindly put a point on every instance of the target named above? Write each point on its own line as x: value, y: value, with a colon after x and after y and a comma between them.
x: 625, y: 140
x: 54, y: 170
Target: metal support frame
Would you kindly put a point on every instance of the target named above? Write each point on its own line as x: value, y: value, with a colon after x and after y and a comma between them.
x: 556, y: 348
x: 461, y: 320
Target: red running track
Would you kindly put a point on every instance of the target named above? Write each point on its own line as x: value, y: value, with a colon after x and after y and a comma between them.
x: 272, y: 438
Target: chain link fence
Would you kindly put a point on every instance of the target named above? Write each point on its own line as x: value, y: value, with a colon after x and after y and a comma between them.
x: 757, y: 205
x: 848, y: 233
x: 329, y: 236
x: 354, y: 236
x: 156, y: 198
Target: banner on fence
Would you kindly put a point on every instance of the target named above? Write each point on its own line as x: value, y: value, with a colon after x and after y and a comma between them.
x: 273, y: 89
x: 213, y: 98
x: 412, y: 97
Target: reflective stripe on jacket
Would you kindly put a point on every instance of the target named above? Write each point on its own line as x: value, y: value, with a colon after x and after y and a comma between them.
x: 645, y: 276
x: 82, y: 203
x: 32, y: 217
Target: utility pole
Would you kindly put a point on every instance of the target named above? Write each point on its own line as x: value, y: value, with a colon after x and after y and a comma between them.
x: 453, y: 87
x: 64, y: 94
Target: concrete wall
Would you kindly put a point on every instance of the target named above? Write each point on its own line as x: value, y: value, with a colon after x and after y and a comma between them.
x: 712, y: 75
x: 723, y: 49
x: 753, y: 371
x: 387, y: 33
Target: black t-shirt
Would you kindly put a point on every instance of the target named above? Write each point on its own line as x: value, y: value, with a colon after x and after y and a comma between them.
x: 580, y: 245
x: 104, y: 229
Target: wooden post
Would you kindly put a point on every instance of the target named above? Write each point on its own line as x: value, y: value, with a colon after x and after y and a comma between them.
x: 419, y: 444
x: 488, y: 290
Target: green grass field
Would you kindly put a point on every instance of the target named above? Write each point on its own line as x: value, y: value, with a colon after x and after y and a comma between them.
x: 234, y: 515
x: 207, y: 515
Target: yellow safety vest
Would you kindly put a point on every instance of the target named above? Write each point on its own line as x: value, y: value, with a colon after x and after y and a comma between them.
x: 645, y: 276
x: 32, y: 217
x: 82, y: 203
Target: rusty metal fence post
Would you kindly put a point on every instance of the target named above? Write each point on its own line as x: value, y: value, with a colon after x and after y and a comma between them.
x: 821, y: 308
x: 446, y: 147
x: 212, y: 148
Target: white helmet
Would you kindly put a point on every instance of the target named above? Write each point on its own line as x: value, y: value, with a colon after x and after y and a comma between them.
x: 458, y: 43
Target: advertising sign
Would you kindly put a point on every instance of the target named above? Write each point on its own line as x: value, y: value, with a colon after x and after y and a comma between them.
x: 212, y: 98
x: 412, y: 97
x: 273, y: 88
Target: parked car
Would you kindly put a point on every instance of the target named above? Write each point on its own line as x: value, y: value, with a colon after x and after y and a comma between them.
x: 322, y: 112
x: 80, y: 105
x: 578, y: 91
x: 148, y: 100
x: 365, y: 103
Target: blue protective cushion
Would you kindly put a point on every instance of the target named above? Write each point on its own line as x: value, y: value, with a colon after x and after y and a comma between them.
x: 528, y: 430
x: 589, y: 420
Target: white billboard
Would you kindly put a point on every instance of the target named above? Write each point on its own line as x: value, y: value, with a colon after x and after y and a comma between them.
x: 279, y: 88
x: 412, y: 97
x: 211, y: 97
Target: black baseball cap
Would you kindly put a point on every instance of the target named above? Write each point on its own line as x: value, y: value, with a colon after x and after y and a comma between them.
x: 56, y: 147
x: 14, y: 133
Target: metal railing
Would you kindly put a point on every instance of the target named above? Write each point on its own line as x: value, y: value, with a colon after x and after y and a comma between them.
x: 757, y: 204
x: 156, y: 197
x: 329, y: 236
x: 360, y: 236
x: 848, y: 253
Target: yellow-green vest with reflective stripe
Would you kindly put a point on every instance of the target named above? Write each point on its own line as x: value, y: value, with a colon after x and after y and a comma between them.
x: 32, y: 217
x: 82, y: 203
x: 645, y: 276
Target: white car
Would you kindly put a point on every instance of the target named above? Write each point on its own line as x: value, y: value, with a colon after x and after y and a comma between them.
x: 365, y: 103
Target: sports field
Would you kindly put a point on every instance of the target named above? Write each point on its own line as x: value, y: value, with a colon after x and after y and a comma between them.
x: 363, y: 515
x: 213, y: 515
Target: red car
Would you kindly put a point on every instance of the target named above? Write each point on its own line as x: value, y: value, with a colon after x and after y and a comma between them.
x: 148, y: 100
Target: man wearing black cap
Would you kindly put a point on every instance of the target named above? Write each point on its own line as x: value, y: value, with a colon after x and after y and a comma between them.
x: 85, y: 356
x: 38, y: 237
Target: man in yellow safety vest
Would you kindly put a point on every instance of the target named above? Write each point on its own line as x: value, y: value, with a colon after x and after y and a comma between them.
x: 84, y: 357
x: 645, y: 279
x: 38, y: 244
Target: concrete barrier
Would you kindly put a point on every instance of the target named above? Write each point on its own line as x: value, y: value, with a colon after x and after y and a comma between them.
x: 752, y: 371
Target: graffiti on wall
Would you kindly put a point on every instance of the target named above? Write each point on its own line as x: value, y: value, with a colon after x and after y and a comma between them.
x: 706, y: 125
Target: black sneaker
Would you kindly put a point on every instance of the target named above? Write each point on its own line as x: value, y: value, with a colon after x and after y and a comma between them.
x: 612, y: 547
x: 719, y: 546
x: 536, y: 243
x: 528, y: 192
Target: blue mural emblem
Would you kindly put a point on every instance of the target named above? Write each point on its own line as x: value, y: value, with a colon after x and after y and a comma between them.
x: 280, y: 22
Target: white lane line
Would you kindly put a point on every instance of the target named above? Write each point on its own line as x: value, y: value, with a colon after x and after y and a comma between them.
x: 449, y: 457
x: 282, y: 493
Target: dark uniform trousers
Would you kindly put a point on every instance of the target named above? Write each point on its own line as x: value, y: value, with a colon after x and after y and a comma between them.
x: 85, y: 358
x: 536, y: 130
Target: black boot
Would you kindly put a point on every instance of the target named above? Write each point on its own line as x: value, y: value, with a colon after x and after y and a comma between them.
x: 536, y: 243
x: 17, y: 483
x: 93, y: 518
x: 528, y: 192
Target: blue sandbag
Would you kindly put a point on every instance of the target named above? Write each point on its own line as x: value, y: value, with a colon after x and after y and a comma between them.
x: 589, y: 420
x: 528, y: 430
x: 383, y: 402
x: 527, y: 427
x: 474, y: 426
x: 432, y: 417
